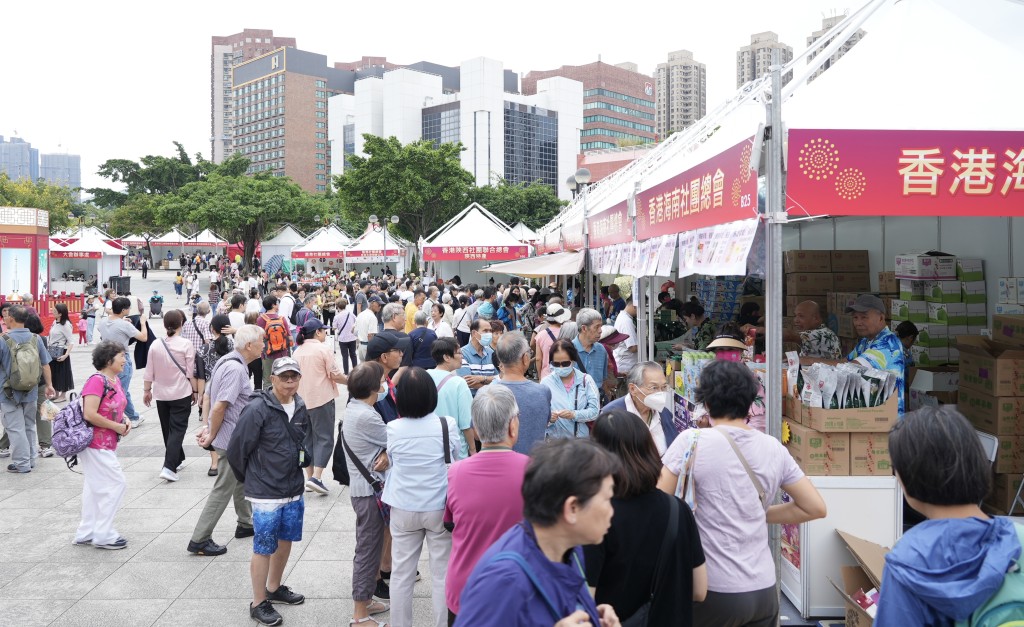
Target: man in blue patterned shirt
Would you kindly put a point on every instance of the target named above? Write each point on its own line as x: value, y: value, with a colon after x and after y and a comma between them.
x: 879, y: 347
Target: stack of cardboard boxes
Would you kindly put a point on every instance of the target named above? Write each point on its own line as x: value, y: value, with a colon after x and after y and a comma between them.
x: 820, y: 275
x: 1010, y: 299
x: 944, y: 296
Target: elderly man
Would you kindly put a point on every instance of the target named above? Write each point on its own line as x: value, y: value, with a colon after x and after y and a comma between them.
x: 484, y: 493
x: 478, y: 357
x: 366, y: 324
x: 388, y: 349
x: 533, y: 399
x: 815, y: 339
x: 227, y: 395
x: 649, y: 399
x: 592, y: 353
x: 393, y: 319
x: 453, y: 395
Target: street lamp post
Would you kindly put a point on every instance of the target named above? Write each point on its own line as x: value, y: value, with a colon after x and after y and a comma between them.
x: 378, y: 227
x: 578, y: 184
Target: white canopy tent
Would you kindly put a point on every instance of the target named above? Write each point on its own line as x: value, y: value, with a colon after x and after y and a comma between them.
x: 554, y: 264
x: 467, y: 242
x: 91, y: 255
x: 524, y: 233
x: 206, y: 239
x: 283, y: 242
x: 174, y: 238
x: 133, y: 239
x: 377, y: 248
x: 325, y: 247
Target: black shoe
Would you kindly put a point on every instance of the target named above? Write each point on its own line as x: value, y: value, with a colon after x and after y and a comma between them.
x: 208, y: 548
x: 265, y: 614
x: 386, y: 576
x: 284, y: 594
x: 244, y: 532
x: 16, y: 470
x: 382, y: 591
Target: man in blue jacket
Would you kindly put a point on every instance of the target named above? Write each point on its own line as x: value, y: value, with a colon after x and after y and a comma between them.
x: 650, y: 399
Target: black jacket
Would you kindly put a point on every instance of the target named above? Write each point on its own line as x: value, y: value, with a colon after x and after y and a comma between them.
x: 264, y: 448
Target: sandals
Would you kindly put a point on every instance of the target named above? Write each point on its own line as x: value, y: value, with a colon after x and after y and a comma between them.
x: 375, y: 607
x: 368, y: 619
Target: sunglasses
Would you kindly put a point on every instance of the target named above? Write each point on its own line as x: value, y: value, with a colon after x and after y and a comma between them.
x: 562, y: 364
x: 289, y: 377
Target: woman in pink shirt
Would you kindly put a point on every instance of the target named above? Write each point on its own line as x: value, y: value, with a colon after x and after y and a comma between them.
x: 170, y: 378
x: 485, y: 491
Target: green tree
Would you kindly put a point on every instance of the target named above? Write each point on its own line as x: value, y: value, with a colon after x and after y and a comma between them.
x: 59, y: 201
x: 534, y: 204
x: 138, y: 216
x: 154, y: 174
x: 423, y: 184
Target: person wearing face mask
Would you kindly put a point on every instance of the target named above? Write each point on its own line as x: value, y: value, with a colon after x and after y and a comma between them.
x: 649, y: 399
x: 574, y: 396
x: 477, y: 364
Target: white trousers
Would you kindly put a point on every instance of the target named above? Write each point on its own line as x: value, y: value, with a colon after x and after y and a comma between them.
x: 408, y: 532
x: 103, y: 489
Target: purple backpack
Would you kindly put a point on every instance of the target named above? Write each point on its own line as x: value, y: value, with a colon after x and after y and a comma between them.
x: 72, y: 433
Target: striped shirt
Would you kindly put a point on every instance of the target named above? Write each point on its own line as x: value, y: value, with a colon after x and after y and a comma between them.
x: 475, y: 364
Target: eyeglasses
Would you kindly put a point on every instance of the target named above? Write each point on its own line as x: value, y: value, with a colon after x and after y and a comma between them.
x: 655, y: 388
x: 562, y: 364
x: 290, y: 377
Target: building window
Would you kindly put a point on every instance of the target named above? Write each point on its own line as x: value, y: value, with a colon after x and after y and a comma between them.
x: 612, y: 94
x: 321, y: 84
x: 604, y: 119
x: 440, y: 124
x: 321, y: 114
x: 531, y: 145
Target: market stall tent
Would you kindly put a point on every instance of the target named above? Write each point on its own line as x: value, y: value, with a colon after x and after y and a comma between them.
x: 283, y: 242
x: 174, y: 238
x: 467, y: 242
x: 524, y: 233
x: 91, y: 255
x: 369, y: 249
x: 554, y: 264
x: 325, y: 248
x: 206, y: 239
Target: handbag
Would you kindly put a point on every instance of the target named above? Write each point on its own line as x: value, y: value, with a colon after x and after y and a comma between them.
x: 642, y: 617
x: 762, y: 494
x: 377, y: 485
x: 686, y: 487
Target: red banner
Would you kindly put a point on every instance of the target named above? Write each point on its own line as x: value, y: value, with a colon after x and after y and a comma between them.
x: 475, y: 253
x: 365, y: 254
x: 324, y: 254
x: 722, y: 189
x: 572, y: 236
x: 550, y: 243
x: 74, y: 254
x: 908, y: 173
x: 611, y: 226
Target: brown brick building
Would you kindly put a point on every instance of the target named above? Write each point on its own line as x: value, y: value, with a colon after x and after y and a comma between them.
x: 618, y: 103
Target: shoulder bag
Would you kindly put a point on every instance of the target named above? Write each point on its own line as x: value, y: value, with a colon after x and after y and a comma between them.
x: 762, y: 494
x: 642, y: 617
x: 377, y: 485
x: 171, y: 355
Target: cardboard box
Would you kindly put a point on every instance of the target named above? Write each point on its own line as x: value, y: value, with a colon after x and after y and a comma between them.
x: 998, y: 415
x: 973, y: 292
x: 943, y: 292
x: 912, y: 310
x: 850, y: 261
x: 930, y: 355
x: 991, y: 367
x: 800, y: 283
x: 932, y: 335
x: 859, y: 282
x: 1007, y: 290
x: 887, y: 283
x: 953, y: 357
x: 912, y: 290
x: 977, y: 314
x: 1009, y: 454
x: 864, y: 420
x: 933, y: 379
x: 839, y: 301
x: 819, y: 453
x: 973, y: 329
x: 869, y: 454
x: 1012, y: 310
x: 916, y: 399
x: 1004, y: 490
x: 1009, y: 329
x: 792, y: 300
x: 947, y: 313
x: 807, y: 261
x: 970, y: 269
x: 930, y: 265
x: 866, y: 575
x: 844, y: 326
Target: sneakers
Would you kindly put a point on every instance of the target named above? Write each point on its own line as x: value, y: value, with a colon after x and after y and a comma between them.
x: 382, y: 591
x: 85, y: 542
x: 317, y: 486
x: 120, y: 543
x: 46, y: 451
x: 14, y: 469
x: 284, y: 594
x: 5, y: 452
x: 244, y: 532
x: 265, y: 614
x: 168, y: 475
x: 208, y: 548
x: 138, y: 421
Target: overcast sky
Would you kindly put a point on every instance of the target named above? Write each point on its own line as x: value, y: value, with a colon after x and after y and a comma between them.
x: 119, y: 79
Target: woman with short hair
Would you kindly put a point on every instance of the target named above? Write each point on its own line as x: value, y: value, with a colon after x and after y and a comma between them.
x: 574, y: 396
x: 170, y: 379
x: 318, y: 389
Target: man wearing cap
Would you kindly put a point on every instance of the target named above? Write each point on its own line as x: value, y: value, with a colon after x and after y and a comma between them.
x: 366, y: 324
x: 267, y: 457
x: 388, y: 349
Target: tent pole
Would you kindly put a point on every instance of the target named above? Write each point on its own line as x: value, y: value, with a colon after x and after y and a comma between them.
x: 649, y: 307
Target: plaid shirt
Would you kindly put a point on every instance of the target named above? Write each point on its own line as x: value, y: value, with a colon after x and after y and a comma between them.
x: 199, y: 336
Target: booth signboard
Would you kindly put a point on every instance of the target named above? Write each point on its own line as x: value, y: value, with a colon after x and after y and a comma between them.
x: 610, y: 227
x: 905, y: 172
x: 75, y: 254
x: 719, y: 190
x: 357, y: 254
x: 572, y: 236
x: 471, y: 253
x: 322, y: 254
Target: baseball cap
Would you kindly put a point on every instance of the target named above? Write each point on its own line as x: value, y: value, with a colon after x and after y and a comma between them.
x: 375, y: 299
x: 312, y: 325
x: 386, y: 341
x: 283, y: 365
x: 866, y: 302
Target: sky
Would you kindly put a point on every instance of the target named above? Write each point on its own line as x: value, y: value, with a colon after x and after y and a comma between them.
x: 123, y: 79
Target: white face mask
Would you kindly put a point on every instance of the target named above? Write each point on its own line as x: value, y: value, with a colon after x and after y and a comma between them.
x: 656, y: 401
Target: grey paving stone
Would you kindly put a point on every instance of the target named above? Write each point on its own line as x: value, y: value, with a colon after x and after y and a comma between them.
x: 11, y: 570
x: 166, y: 547
x: 161, y: 498
x: 224, y: 580
x: 32, y: 546
x: 331, y: 546
x: 32, y: 613
x: 119, y: 613
x: 36, y: 498
x: 321, y: 580
x: 76, y: 580
x: 221, y: 612
x: 148, y: 580
x: 12, y: 519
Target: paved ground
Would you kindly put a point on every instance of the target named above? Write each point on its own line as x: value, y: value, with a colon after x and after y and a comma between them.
x: 44, y: 580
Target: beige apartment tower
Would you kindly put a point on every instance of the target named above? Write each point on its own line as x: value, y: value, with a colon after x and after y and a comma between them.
x: 826, y: 25
x: 754, y: 61
x: 680, y: 92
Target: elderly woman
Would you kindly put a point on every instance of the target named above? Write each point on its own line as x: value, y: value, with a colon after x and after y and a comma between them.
x: 574, y: 396
x: 365, y: 444
x: 627, y: 567
x: 437, y: 323
x: 103, y: 481
x: 422, y: 339
x: 318, y: 388
x: 706, y: 467
x: 533, y: 574
x: 170, y: 379
x: 484, y: 492
x: 420, y: 446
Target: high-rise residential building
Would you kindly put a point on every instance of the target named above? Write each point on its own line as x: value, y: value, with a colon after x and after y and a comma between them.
x: 618, y: 103
x: 826, y: 25
x: 755, y: 60
x: 19, y: 159
x: 520, y: 138
x: 680, y: 87
x: 226, y: 52
x: 62, y: 169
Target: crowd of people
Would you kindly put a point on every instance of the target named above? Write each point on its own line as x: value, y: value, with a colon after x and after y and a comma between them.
x: 516, y: 437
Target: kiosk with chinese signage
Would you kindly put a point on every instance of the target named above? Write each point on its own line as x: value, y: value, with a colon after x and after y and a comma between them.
x: 24, y: 253
x: 468, y: 242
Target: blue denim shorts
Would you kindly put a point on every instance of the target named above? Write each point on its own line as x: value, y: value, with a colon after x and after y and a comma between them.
x: 272, y: 522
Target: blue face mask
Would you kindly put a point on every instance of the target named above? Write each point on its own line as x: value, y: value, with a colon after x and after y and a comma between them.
x: 563, y: 371
x: 485, y: 338
x: 381, y: 395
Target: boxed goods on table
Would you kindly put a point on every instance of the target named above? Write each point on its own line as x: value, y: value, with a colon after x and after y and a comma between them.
x: 977, y: 314
x: 931, y: 265
x: 1009, y: 329
x: 913, y: 290
x: 973, y: 292
x: 998, y: 415
x: 948, y: 313
x: 970, y: 269
x: 991, y: 367
x: 930, y: 355
x: 862, y: 583
x: 800, y: 283
x: 869, y: 455
x: 807, y: 261
x: 1010, y: 290
x: 863, y: 419
x: 850, y: 261
x: 943, y: 292
x: 851, y: 282
x: 819, y: 453
x: 887, y: 283
x: 912, y: 310
x: 933, y: 335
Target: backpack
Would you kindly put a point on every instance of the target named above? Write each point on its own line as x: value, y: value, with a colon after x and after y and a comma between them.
x: 1006, y: 607
x: 293, y: 317
x: 277, y: 335
x: 25, y: 367
x: 72, y: 433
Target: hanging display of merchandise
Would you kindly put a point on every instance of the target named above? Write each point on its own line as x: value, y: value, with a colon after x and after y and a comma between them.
x: 717, y: 250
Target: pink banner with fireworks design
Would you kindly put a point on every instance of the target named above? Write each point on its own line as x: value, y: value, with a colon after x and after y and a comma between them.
x: 908, y: 173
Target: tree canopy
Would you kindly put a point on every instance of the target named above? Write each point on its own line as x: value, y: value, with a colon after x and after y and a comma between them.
x: 59, y: 201
x: 534, y: 204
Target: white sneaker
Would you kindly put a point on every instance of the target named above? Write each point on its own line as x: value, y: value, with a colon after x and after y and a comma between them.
x: 47, y: 452
x: 5, y: 452
x: 168, y: 474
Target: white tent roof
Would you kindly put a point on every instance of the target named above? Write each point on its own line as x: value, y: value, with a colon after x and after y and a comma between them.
x: 374, y: 240
x: 206, y: 238
x: 287, y: 236
x: 133, y: 240
x: 322, y: 241
x: 555, y: 264
x: 91, y: 245
x: 524, y: 233
x: 174, y: 237
x: 474, y: 226
x: 922, y: 89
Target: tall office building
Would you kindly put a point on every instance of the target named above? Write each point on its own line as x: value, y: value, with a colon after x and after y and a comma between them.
x: 680, y: 92
x: 826, y: 25
x: 754, y: 61
x: 618, y: 103
x: 225, y: 53
x: 62, y: 169
x: 521, y: 138
x: 19, y: 159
